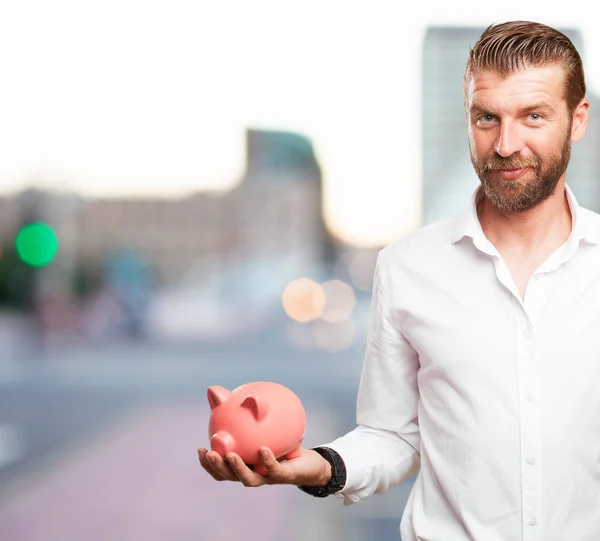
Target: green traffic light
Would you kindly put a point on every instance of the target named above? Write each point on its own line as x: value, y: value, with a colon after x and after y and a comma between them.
x: 37, y: 244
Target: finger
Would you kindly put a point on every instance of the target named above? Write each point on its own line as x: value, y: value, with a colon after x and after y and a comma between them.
x: 279, y: 471
x: 204, y: 462
x: 248, y: 477
x: 220, y: 466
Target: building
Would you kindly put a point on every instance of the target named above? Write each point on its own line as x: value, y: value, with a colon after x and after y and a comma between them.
x: 273, y: 214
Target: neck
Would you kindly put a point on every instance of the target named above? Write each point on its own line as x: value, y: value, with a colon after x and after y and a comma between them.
x: 550, y: 222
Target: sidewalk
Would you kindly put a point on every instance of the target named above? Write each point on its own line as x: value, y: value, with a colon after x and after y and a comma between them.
x: 141, y: 480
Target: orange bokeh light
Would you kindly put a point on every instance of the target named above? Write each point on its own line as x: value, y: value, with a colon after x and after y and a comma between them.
x: 303, y: 300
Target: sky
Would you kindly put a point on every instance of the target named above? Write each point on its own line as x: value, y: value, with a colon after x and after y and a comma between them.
x: 124, y: 97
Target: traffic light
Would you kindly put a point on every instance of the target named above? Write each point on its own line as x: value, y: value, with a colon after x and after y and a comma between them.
x: 36, y: 244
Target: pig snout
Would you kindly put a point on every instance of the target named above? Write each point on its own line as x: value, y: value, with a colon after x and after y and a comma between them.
x: 222, y: 443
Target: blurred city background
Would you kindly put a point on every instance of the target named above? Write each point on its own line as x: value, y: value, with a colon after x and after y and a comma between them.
x: 195, y: 196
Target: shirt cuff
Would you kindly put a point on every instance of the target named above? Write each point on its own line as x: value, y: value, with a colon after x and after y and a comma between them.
x: 355, y: 475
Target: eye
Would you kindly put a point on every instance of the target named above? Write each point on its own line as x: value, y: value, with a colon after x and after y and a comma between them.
x: 535, y: 117
x: 485, y: 119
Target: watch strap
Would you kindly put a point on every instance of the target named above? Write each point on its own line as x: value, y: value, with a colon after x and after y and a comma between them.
x: 338, y: 474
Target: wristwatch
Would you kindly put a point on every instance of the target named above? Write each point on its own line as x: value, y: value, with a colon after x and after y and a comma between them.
x: 338, y: 474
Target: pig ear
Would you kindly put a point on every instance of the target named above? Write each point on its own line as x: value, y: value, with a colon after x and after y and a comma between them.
x: 217, y: 395
x: 257, y: 405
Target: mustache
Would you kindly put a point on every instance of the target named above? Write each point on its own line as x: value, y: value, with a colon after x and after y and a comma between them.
x: 495, y: 163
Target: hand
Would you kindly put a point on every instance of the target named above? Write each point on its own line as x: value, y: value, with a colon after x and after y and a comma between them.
x: 310, y: 468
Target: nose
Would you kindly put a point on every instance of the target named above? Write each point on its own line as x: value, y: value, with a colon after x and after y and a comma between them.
x: 509, y: 140
x: 222, y: 442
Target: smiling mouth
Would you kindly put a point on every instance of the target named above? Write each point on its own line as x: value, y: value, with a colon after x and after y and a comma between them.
x: 510, y: 174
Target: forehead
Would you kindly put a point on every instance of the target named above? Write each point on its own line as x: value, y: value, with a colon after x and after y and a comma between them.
x: 521, y: 88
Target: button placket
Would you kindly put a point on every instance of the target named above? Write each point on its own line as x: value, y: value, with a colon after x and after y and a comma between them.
x: 529, y: 416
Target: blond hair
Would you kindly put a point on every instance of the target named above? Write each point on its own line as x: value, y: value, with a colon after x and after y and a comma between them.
x: 507, y: 47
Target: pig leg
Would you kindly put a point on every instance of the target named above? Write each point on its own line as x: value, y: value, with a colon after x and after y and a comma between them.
x: 260, y: 469
x: 294, y: 453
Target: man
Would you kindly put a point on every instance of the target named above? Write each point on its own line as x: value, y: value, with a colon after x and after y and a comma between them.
x: 482, y: 367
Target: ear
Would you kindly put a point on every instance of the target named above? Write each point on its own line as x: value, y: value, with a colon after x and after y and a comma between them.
x: 217, y: 395
x: 580, y: 120
x: 257, y: 405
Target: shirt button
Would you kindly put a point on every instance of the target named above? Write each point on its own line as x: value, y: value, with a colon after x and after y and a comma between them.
x: 530, y: 460
x: 528, y: 396
x: 532, y: 521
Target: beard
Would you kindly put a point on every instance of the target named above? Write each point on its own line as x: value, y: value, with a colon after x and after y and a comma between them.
x: 522, y: 194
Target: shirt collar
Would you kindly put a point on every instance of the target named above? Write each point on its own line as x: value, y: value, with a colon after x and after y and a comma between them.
x: 467, y: 223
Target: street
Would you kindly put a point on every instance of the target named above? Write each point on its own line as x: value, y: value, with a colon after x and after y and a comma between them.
x: 99, y: 443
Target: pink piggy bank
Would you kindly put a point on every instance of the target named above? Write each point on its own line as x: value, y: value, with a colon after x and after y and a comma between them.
x: 254, y: 415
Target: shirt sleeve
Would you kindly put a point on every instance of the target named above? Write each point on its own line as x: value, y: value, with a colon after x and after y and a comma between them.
x: 383, y: 449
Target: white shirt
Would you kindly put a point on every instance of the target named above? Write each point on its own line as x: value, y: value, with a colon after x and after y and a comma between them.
x: 494, y: 402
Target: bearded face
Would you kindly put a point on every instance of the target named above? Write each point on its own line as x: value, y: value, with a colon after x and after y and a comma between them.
x: 538, y: 176
x: 520, y: 134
